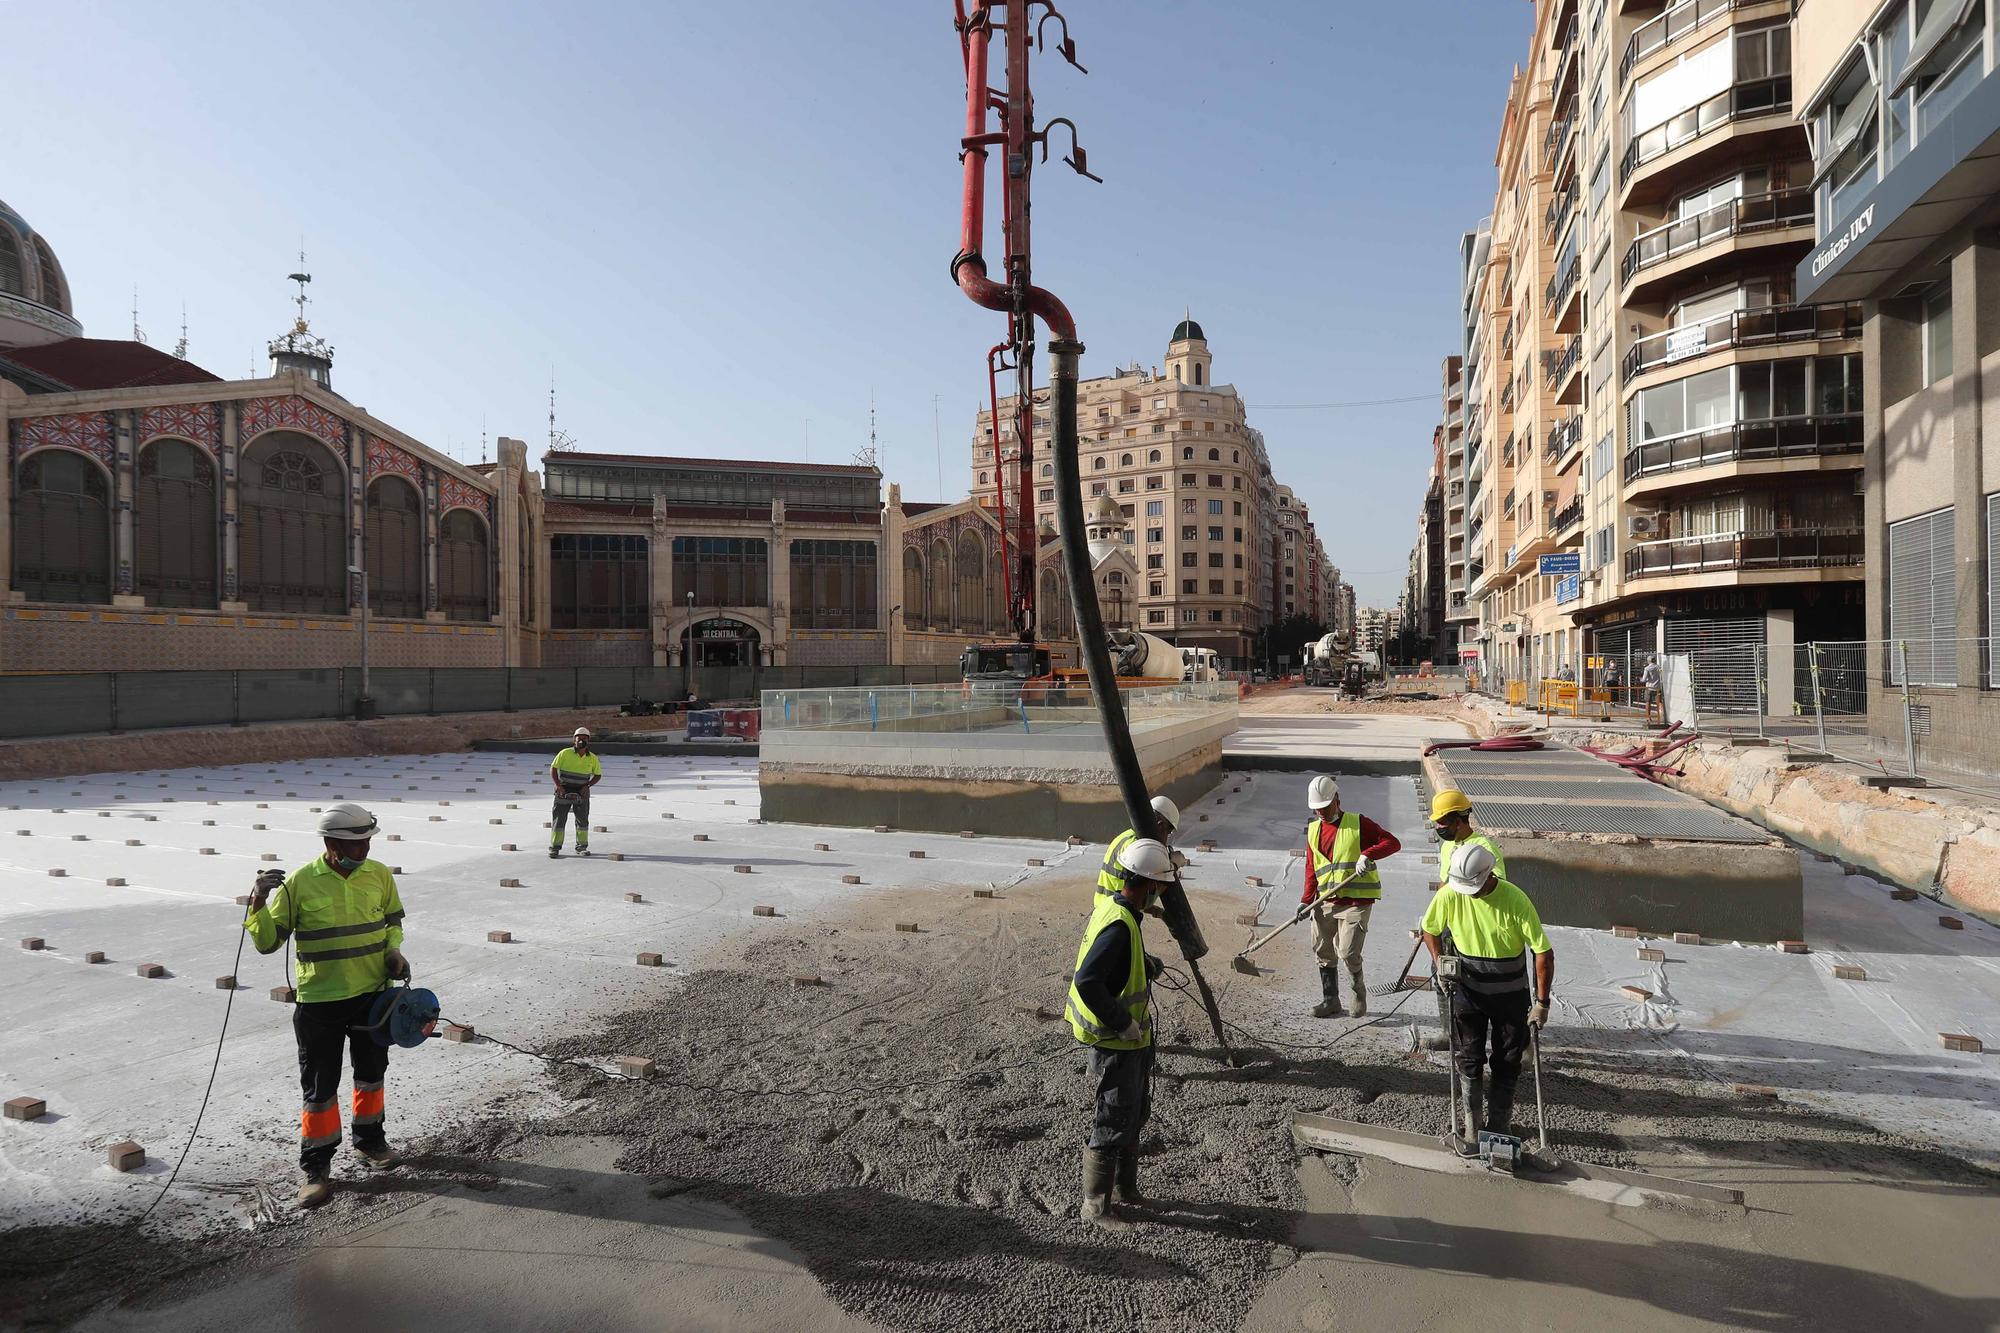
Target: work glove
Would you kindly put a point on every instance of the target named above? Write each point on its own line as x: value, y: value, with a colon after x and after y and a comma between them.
x: 1131, y: 1031
x: 1178, y: 859
x: 268, y: 882
x: 1444, y: 984
x: 399, y: 966
x: 1538, y: 1014
x: 1153, y: 968
x: 1362, y: 865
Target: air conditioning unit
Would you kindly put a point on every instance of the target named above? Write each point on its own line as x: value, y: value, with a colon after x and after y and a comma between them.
x: 1860, y: 481
x: 1548, y: 497
x: 1642, y: 525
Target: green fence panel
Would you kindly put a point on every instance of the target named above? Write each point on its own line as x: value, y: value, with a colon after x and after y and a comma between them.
x: 398, y: 691
x: 54, y: 705
x: 471, y: 689
x: 544, y: 687
x: 289, y: 696
x: 152, y: 699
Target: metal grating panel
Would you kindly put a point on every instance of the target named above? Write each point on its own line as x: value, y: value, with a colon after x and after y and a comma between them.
x: 1695, y: 825
x: 1554, y: 786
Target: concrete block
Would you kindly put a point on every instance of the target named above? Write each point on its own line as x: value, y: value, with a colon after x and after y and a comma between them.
x: 741, y: 870
x: 1792, y: 946
x: 509, y: 847
x: 1686, y: 937
x: 1625, y: 932
x: 24, y: 833
x: 1246, y: 919
x: 599, y: 828
x: 633, y: 1066
x: 1948, y: 922
x: 151, y: 971
x: 1636, y: 993
x: 1201, y: 819
x: 729, y: 800
x: 26, y: 1108
x: 1254, y: 881
x: 499, y: 937
x: 1205, y: 845
x: 822, y: 847
x: 850, y: 879
x: 58, y: 872
x: 284, y: 994
x: 1073, y: 841
x: 208, y: 823
x: 431, y: 819
x: 208, y: 851
x: 496, y: 821
x: 668, y: 815
x: 32, y: 943
x: 967, y: 833
x: 983, y: 893
x: 126, y: 1156
x: 650, y: 960
x: 881, y: 828
x: 1849, y: 972
x: 453, y: 1032
x: 617, y: 856
x: 225, y: 983
x: 397, y: 837
x: 1959, y: 1041
x: 748, y: 821
x: 907, y: 927
x: 701, y: 837
x: 510, y: 883
x: 1904, y: 895
x: 1756, y: 1091
x: 260, y: 828
x: 916, y: 853
x: 763, y: 909
x: 1652, y: 955
x: 1034, y: 860
x: 85, y: 837
x: 94, y: 956
x: 807, y: 981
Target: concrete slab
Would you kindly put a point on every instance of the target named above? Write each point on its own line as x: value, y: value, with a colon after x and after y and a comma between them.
x: 1377, y: 745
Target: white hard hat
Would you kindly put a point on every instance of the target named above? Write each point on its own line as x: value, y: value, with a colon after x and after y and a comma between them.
x: 1321, y: 792
x: 347, y: 822
x: 581, y: 731
x: 1470, y: 868
x: 1167, y: 810
x: 1146, y: 858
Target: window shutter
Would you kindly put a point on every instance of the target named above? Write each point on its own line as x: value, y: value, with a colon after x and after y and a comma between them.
x: 1923, y: 598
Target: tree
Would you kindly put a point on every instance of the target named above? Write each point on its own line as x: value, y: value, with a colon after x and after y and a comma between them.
x: 1286, y: 637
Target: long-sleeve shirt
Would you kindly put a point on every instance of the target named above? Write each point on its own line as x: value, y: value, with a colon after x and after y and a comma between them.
x: 1104, y: 973
x: 1376, y: 843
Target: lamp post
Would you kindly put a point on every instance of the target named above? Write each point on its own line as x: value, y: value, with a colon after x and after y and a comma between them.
x: 687, y: 651
x: 364, y: 705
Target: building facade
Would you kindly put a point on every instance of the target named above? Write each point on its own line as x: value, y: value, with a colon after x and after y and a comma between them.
x: 1900, y: 102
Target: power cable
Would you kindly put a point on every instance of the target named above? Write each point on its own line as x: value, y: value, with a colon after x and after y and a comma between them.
x: 1330, y: 407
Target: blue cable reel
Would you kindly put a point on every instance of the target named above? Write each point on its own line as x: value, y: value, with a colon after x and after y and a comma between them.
x: 403, y: 1015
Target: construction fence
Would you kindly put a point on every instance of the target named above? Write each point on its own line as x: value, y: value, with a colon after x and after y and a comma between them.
x: 119, y: 701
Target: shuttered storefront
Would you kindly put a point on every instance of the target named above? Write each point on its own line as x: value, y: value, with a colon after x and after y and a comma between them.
x: 1724, y: 659
x: 1626, y: 648
x: 1923, y: 588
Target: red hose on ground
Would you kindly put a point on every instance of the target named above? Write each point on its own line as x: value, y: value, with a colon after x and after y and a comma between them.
x: 1502, y: 743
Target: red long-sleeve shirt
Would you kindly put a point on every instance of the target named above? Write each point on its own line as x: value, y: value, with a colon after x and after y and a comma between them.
x: 1376, y: 843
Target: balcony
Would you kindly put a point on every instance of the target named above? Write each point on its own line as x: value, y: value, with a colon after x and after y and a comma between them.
x: 1794, y: 548
x: 1567, y: 50
x: 1565, y: 434
x: 1748, y: 442
x: 1568, y: 517
x: 1679, y: 21
x: 1558, y: 140
x: 1561, y: 366
x: 1556, y: 302
x: 1767, y: 326
x: 1771, y: 96
x: 1753, y: 214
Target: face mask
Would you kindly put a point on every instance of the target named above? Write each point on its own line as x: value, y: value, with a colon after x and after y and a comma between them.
x: 350, y: 864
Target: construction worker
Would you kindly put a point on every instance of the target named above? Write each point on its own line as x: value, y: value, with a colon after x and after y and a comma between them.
x: 1341, y: 851
x: 1489, y: 922
x: 1166, y: 818
x: 575, y: 771
x: 1451, y: 819
x: 1110, y: 1011
x: 344, y: 915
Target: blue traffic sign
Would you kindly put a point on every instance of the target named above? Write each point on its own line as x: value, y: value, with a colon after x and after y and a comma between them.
x: 1562, y: 562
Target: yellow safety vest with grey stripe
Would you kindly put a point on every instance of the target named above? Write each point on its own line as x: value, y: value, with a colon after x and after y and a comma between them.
x: 1111, y: 876
x: 1331, y: 870
x: 341, y: 927
x: 1137, y: 996
x: 1447, y: 850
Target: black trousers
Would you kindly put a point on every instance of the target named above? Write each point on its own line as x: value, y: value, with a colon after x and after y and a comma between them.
x: 1490, y: 1031
x: 323, y: 1030
x: 1124, y: 1096
x: 562, y: 811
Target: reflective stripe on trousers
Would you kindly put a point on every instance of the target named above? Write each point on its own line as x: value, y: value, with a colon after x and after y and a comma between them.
x: 319, y: 1124
x: 368, y: 1104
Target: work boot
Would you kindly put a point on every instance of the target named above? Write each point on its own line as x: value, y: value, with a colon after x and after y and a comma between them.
x: 380, y: 1156
x: 554, y: 852
x: 1359, y: 1009
x: 1098, y: 1170
x: 316, y: 1191
x: 1500, y: 1108
x: 1470, y: 1092
x: 1329, y: 987
x: 1126, y: 1188
x: 582, y: 850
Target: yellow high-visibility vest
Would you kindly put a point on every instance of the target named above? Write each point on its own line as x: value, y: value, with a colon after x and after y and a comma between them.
x: 1330, y: 870
x: 1137, y: 995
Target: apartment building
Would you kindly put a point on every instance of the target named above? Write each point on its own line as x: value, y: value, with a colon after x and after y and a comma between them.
x: 1900, y: 102
x: 1459, y: 634
x: 1223, y: 550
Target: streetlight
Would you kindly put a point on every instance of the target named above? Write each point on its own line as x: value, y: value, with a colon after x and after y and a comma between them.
x: 687, y: 651
x: 364, y: 706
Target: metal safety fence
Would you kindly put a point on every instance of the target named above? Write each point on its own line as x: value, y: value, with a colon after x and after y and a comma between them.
x: 981, y: 705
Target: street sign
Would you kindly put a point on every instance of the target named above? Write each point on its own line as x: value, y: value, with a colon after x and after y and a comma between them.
x: 1569, y: 589
x: 1562, y: 562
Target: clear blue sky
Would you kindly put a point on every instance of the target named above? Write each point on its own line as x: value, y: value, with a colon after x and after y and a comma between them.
x: 721, y: 221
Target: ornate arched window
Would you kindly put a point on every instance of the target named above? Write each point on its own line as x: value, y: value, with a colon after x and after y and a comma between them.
x: 12, y: 277
x: 394, y: 541
x: 1048, y: 469
x: 174, y: 523
x: 969, y: 612
x: 913, y: 586
x: 938, y: 585
x: 294, y: 526
x: 53, y: 295
x: 465, y: 563
x: 1187, y: 455
x: 1215, y: 455
x: 525, y: 539
x: 1097, y: 463
x: 982, y: 479
x: 1124, y: 460
x: 1153, y: 456
x: 62, y: 528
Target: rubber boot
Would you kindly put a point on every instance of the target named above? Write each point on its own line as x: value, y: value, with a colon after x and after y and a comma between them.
x: 1440, y: 1042
x: 1329, y: 988
x: 315, y: 1191
x: 1359, y: 1009
x: 1500, y: 1108
x: 1126, y: 1188
x: 1470, y: 1092
x: 1098, y: 1170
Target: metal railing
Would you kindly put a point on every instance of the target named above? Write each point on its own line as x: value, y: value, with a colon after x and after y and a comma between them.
x: 1745, y: 441
x: 1561, y: 363
x: 1567, y: 517
x: 1764, y: 326
x: 1877, y: 702
x: 1747, y: 215
x: 1664, y: 29
x: 982, y: 705
x: 1561, y: 285
x: 1754, y: 97
x: 1558, y: 212
x: 1559, y: 137
x: 1793, y: 548
x: 1564, y: 434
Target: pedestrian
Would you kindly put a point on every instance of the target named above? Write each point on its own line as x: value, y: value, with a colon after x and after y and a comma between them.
x: 1489, y: 923
x: 1110, y: 1010
x: 343, y: 911
x: 574, y: 771
x: 1610, y: 680
x: 1166, y: 818
x: 1451, y: 818
x: 1341, y: 851
x: 1649, y: 681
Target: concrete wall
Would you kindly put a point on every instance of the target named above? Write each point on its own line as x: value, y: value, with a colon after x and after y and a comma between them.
x: 1721, y: 892
x: 1823, y: 36
x: 607, y: 647
x: 38, y: 639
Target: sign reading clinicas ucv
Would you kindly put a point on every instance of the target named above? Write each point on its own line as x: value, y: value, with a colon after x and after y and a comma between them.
x: 1853, y: 232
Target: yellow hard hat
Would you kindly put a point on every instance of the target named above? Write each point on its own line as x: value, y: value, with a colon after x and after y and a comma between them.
x: 1450, y: 801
